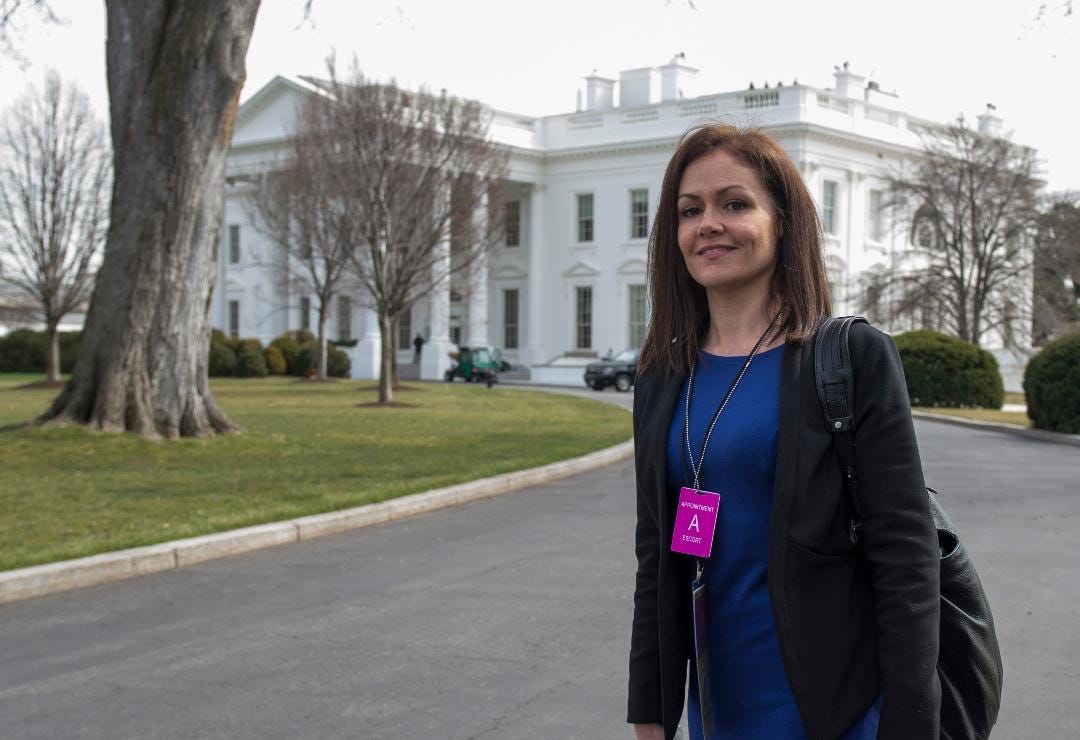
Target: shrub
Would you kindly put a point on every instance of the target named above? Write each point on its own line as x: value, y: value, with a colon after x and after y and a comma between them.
x: 338, y: 364
x: 307, y: 360
x: 250, y: 361
x: 222, y: 360
x: 23, y: 351
x: 946, y: 371
x: 275, y: 361
x: 1052, y: 386
x: 289, y: 349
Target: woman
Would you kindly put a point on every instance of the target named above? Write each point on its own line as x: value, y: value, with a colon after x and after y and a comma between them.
x: 804, y: 634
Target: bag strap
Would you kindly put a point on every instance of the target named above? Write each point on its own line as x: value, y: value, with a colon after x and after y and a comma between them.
x: 834, y: 377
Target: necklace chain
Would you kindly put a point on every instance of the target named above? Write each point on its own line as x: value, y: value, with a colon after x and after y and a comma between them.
x: 723, y: 404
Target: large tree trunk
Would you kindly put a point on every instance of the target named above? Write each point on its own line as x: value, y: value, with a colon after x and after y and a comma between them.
x: 52, y: 353
x: 386, y: 367
x: 175, y: 70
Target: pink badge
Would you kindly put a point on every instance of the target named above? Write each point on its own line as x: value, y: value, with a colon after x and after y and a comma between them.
x: 695, y: 522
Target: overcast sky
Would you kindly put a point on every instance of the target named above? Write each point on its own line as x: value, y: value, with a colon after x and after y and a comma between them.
x: 944, y: 57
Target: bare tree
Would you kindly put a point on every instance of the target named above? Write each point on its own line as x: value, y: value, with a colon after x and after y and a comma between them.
x: 175, y: 71
x: 419, y: 173
x: 300, y: 207
x: 13, y: 20
x: 969, y: 205
x: 1057, y: 268
x: 54, y: 187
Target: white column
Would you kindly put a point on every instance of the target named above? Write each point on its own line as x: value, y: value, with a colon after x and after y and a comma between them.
x: 434, y: 357
x: 534, y: 348
x: 367, y: 353
x: 477, y: 335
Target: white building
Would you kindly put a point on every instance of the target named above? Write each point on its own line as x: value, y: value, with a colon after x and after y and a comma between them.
x: 569, y: 281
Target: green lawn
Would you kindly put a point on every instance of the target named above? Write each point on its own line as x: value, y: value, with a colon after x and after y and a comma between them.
x: 308, y: 448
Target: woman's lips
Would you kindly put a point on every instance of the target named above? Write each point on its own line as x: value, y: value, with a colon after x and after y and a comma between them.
x: 715, y: 251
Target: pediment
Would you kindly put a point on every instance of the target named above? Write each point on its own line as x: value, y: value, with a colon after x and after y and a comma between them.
x: 582, y: 269
x: 270, y: 114
x: 510, y: 272
x: 633, y: 267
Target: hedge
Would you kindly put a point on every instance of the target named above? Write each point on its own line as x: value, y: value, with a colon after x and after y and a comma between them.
x: 1052, y: 386
x: 945, y: 371
x: 23, y: 351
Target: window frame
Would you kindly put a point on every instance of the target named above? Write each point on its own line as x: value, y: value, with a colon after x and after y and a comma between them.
x: 585, y: 225
x: 233, y: 318
x: 512, y: 237
x: 305, y: 312
x: 234, y: 244
x: 637, y: 293
x: 511, y: 320
x: 581, y: 325
x: 875, y: 216
x: 639, y: 218
x: 828, y: 206
x: 344, y: 319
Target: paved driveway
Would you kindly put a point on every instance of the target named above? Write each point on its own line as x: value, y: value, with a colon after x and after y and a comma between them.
x: 506, y: 618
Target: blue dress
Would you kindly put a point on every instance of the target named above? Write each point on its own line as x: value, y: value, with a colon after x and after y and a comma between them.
x: 751, y: 697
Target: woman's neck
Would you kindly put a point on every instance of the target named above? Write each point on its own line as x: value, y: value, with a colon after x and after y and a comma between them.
x: 737, y: 323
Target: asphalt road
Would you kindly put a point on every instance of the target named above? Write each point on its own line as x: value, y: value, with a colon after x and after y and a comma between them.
x: 506, y: 618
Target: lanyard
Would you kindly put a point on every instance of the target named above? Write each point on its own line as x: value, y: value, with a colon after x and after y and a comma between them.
x: 719, y: 409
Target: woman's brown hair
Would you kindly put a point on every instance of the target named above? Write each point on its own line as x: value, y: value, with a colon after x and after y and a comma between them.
x: 799, y: 286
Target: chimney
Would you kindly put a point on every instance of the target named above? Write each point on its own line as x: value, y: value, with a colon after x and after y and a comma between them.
x: 598, y: 92
x: 636, y: 87
x: 848, y: 84
x: 990, y: 122
x: 675, y: 78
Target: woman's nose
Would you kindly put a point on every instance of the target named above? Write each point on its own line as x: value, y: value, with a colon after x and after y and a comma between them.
x: 710, y: 223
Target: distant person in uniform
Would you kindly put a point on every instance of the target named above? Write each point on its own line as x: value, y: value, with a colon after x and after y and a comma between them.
x: 417, y: 343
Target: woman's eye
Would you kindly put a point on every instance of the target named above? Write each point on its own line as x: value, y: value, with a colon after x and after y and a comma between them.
x: 690, y: 211
x: 736, y: 205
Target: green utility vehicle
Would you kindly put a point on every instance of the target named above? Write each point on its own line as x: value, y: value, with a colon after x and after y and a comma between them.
x: 476, y: 365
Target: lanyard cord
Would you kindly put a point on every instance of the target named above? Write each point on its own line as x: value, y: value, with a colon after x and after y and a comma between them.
x: 719, y: 409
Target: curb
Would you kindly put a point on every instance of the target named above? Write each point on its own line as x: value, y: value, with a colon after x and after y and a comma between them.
x: 39, y: 580
x: 996, y: 426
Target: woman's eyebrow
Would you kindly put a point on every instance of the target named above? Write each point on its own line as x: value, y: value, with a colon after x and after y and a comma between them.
x: 721, y: 191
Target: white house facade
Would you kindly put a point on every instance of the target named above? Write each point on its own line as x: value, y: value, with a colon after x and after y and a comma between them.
x: 568, y: 281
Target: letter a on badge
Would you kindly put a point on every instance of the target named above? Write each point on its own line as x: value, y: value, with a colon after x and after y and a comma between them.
x: 694, y: 524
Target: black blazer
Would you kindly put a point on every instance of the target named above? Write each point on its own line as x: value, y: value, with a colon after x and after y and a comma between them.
x: 854, y: 622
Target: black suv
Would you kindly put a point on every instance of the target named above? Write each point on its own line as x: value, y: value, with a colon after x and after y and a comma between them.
x: 619, y: 371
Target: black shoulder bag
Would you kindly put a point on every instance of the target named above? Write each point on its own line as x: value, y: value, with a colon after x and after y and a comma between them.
x: 969, y: 661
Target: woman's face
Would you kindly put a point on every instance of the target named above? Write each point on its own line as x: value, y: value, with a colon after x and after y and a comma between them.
x: 727, y: 231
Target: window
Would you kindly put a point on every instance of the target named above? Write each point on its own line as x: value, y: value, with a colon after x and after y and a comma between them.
x: 510, y: 319
x: 638, y: 315
x: 925, y: 235
x: 584, y: 318
x: 585, y: 217
x: 455, y: 335
x: 234, y: 318
x: 639, y: 214
x: 344, y: 319
x: 404, y: 329
x: 305, y: 312
x: 828, y: 207
x: 875, y: 217
x: 234, y: 244
x: 513, y: 223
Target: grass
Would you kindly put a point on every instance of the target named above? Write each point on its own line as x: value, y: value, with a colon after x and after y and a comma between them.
x: 308, y: 448
x: 1014, y: 397
x: 1017, y: 418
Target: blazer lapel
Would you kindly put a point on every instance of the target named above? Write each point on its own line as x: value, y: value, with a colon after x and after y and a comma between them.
x: 660, y: 411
